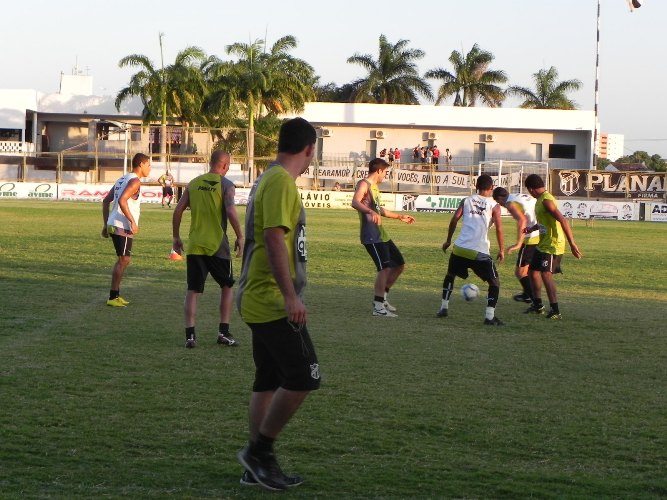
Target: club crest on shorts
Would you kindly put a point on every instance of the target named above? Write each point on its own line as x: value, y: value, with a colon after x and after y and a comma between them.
x: 315, y: 371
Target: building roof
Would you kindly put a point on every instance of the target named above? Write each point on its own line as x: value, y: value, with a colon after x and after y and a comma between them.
x: 615, y: 166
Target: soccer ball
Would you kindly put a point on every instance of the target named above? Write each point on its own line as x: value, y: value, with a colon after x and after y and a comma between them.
x: 470, y: 292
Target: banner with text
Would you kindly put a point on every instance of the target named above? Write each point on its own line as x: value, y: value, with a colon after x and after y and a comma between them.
x: 602, y: 184
x: 613, y: 210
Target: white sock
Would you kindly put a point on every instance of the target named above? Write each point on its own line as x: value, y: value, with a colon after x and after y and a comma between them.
x: 490, y: 312
x: 444, y: 304
x: 378, y: 305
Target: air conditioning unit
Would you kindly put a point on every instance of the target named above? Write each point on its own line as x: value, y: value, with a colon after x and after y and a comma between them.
x: 379, y: 134
x: 432, y: 136
x: 325, y: 132
x: 489, y: 138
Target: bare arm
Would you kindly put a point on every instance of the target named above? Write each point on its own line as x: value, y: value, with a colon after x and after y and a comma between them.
x: 130, y: 190
x: 176, y: 218
x: 452, y: 226
x: 497, y: 220
x: 358, y: 204
x: 408, y: 219
x: 277, y: 253
x: 105, y: 212
x: 520, y: 226
x: 556, y: 214
x: 233, y: 218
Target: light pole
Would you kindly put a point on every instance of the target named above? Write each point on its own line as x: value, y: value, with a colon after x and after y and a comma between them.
x: 125, y: 127
x: 597, y: 79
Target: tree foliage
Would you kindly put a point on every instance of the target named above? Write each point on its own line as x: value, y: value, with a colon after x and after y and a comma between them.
x: 391, y: 79
x: 471, y: 79
x: 652, y: 162
x: 548, y: 93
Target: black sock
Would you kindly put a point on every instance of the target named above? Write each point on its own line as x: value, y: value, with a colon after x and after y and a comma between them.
x: 114, y: 294
x: 189, y: 332
x: 223, y: 328
x: 378, y: 299
x: 554, y: 307
x: 537, y: 302
x: 525, y: 284
x: 264, y: 444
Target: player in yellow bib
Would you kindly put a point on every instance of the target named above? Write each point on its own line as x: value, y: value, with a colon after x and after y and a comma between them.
x: 211, y: 200
x: 554, y: 230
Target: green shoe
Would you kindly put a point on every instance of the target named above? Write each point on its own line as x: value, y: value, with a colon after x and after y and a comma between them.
x: 117, y: 302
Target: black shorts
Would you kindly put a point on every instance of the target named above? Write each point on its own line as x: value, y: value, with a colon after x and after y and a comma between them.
x: 546, y: 262
x: 483, y: 267
x: 198, y: 267
x: 284, y: 357
x: 122, y: 244
x: 525, y: 255
x: 167, y: 191
x: 385, y: 254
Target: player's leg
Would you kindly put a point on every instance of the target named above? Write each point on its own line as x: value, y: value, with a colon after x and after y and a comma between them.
x: 534, y: 274
x: 397, y: 265
x: 123, y: 246
x: 550, y: 285
x: 486, y: 270
x: 196, y: 272
x: 457, y: 266
x: 221, y: 271
x: 380, y: 255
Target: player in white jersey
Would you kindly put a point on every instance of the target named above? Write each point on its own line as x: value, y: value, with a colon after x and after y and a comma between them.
x: 472, y: 248
x: 122, y: 222
x: 522, y: 208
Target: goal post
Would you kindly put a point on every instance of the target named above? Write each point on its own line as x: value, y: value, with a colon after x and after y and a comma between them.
x: 511, y: 174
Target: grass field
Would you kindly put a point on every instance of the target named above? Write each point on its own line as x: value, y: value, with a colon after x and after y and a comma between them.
x: 105, y: 402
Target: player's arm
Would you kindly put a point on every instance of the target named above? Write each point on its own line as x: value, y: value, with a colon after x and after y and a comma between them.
x: 520, y: 219
x: 106, y: 201
x: 276, y: 251
x: 176, y: 218
x: 233, y: 218
x: 408, y: 219
x: 498, y: 222
x: 358, y: 203
x: 551, y: 207
x: 452, y: 226
x: 130, y: 190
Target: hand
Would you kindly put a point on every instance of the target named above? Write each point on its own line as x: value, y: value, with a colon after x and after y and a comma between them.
x: 408, y: 219
x: 501, y: 256
x: 238, y: 247
x: 134, y: 228
x: 177, y: 246
x: 374, y: 217
x: 105, y: 233
x: 576, y: 252
x: 296, y: 311
x: 445, y: 246
x: 513, y: 248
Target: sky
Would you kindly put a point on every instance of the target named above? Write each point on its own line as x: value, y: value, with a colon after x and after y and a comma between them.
x: 43, y: 38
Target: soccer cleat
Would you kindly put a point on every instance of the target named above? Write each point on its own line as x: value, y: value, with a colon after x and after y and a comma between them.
x: 123, y: 301
x: 382, y: 311
x: 190, y: 343
x: 554, y: 315
x: 263, y: 468
x: 117, y: 302
x: 389, y: 307
x: 522, y: 297
x: 533, y: 309
x: 493, y: 322
x: 442, y: 313
x: 290, y: 481
x: 227, y: 340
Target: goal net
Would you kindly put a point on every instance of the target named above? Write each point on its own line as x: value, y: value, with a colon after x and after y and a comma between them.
x: 511, y: 174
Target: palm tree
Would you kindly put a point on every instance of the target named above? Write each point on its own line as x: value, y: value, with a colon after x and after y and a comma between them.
x: 549, y: 93
x: 393, y: 78
x: 174, y: 91
x: 261, y: 82
x: 471, y: 80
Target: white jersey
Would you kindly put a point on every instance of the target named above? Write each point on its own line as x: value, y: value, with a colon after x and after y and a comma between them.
x: 527, y: 205
x: 116, y: 216
x: 477, y: 219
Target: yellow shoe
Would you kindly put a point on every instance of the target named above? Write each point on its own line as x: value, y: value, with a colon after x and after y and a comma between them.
x: 117, y: 302
x: 123, y: 301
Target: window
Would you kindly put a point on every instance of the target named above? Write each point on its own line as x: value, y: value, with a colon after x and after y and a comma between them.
x: 10, y: 134
x: 566, y: 151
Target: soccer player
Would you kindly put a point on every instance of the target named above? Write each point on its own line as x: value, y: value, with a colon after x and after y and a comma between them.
x: 554, y: 229
x: 385, y: 254
x: 270, y: 300
x: 472, y: 248
x: 166, y: 180
x: 211, y: 200
x: 122, y: 222
x: 522, y: 208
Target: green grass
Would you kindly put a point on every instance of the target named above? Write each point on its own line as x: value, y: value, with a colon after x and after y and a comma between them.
x: 105, y: 402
